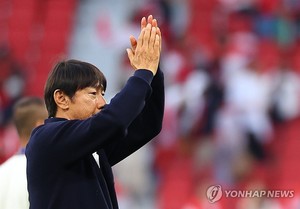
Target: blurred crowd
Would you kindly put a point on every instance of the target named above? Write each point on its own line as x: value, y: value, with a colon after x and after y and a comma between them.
x: 232, y: 81
x: 232, y: 86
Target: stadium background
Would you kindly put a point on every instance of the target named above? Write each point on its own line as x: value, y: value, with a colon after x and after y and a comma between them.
x: 232, y: 90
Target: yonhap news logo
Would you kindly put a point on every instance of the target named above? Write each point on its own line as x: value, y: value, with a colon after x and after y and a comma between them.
x: 215, y: 192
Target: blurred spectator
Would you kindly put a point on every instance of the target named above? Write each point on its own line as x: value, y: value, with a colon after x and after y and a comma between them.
x: 12, y: 83
x: 238, y: 5
x: 176, y: 14
x: 27, y: 114
x: 286, y: 92
x: 193, y: 106
x: 243, y: 122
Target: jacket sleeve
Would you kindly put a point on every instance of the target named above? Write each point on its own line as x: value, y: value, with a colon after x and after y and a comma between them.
x: 144, y: 127
x: 69, y: 140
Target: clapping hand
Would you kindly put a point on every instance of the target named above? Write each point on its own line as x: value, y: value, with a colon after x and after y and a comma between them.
x: 145, y: 51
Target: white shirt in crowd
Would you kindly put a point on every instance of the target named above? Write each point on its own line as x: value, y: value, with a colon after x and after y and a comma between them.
x: 13, y: 183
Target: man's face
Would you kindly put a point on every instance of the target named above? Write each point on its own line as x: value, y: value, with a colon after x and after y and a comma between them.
x: 86, y: 102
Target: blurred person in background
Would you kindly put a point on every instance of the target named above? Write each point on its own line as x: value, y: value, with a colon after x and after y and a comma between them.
x: 61, y: 169
x: 12, y: 82
x: 285, y: 92
x: 28, y: 113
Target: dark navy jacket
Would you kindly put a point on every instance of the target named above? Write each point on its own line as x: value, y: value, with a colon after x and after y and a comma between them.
x: 61, y: 171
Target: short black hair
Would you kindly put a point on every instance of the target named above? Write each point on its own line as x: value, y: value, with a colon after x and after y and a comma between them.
x: 70, y: 76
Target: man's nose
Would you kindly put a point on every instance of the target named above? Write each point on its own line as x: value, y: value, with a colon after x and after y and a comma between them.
x: 101, y: 102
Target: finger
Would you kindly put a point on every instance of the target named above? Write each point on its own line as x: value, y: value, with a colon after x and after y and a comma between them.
x: 147, y: 34
x: 133, y: 43
x: 158, y: 32
x: 157, y: 42
x: 140, y: 40
x: 152, y: 36
x: 130, y: 54
x: 154, y: 23
x: 143, y: 23
x: 150, y: 19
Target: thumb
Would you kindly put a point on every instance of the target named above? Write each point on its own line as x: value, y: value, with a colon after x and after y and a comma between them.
x: 130, y: 56
x: 133, y: 42
x: 129, y: 53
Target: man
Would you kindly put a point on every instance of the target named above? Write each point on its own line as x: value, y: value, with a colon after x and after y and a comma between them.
x: 28, y: 113
x: 61, y: 171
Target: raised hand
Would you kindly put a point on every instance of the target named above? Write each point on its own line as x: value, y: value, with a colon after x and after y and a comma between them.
x: 150, y: 20
x: 145, y: 52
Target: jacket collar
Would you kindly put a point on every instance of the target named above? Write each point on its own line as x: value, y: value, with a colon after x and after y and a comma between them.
x: 52, y: 119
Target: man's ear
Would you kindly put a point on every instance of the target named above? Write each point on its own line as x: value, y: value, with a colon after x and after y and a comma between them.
x: 61, y: 99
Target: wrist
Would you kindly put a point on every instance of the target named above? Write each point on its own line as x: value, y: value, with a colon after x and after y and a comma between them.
x: 144, y: 74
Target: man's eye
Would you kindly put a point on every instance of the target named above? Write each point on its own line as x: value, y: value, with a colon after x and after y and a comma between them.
x: 94, y: 93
